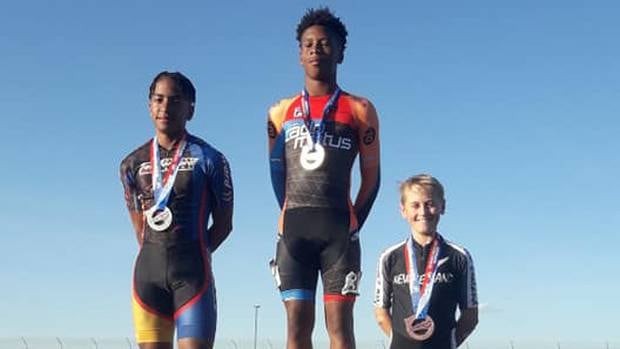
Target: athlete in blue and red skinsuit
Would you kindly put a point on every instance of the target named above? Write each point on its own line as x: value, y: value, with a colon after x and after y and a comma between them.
x: 314, y: 139
x: 173, y: 284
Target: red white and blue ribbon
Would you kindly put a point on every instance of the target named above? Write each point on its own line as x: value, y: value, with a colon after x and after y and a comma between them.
x: 421, y: 291
x: 162, y: 185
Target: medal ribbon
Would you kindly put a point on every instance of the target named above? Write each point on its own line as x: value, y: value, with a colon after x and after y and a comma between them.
x: 163, y: 186
x: 315, y: 136
x: 421, y: 294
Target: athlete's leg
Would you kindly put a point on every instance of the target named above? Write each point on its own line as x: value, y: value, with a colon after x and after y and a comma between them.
x: 152, y: 331
x: 194, y: 343
x: 156, y: 345
x: 300, y: 323
x: 195, y: 299
x: 296, y: 273
x: 151, y: 301
x: 339, y: 320
x: 340, y: 267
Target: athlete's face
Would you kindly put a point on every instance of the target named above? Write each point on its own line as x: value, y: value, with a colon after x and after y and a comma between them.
x: 320, y: 52
x: 421, y: 209
x: 169, y: 109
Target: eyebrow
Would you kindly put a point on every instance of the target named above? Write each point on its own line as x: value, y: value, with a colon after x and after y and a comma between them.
x: 316, y: 37
x: 171, y: 96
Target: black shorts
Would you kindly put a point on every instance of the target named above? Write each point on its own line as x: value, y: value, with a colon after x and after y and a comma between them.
x: 317, y: 239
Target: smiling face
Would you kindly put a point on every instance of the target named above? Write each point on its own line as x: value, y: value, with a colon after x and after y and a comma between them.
x: 169, y: 109
x: 422, y: 207
x: 320, y: 52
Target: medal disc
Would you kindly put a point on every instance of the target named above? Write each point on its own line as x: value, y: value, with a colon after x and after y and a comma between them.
x: 158, y: 219
x: 310, y: 158
x: 420, y: 329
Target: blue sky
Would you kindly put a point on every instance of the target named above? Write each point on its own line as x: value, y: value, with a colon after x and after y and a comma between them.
x: 513, y: 105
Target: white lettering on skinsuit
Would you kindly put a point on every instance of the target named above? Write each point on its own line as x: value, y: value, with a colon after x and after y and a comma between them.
x: 185, y: 164
x: 402, y: 279
x: 351, y: 283
x: 299, y: 135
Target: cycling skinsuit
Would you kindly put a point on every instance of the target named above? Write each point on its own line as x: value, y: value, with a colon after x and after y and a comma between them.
x: 318, y: 226
x: 455, y: 284
x: 173, y: 282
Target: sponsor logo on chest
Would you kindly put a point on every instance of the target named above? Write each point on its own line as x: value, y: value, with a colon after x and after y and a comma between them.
x: 186, y: 164
x: 298, y: 134
x: 440, y: 278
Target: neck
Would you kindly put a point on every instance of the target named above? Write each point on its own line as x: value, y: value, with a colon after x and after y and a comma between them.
x: 423, y: 239
x: 169, y: 140
x: 319, y: 87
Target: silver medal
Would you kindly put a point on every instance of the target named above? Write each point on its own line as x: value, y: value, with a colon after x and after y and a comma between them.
x: 311, y: 159
x: 159, y: 219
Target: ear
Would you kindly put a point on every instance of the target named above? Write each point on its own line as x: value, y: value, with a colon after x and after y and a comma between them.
x: 191, y: 112
x: 443, y: 208
x: 402, y: 211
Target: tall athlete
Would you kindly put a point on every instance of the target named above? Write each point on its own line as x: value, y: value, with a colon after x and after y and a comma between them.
x: 314, y: 138
x: 421, y: 281
x: 173, y: 183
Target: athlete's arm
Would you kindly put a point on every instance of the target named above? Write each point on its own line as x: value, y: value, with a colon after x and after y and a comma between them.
x: 383, y: 295
x: 368, y: 136
x: 468, y: 298
x: 384, y: 320
x: 221, y: 227
x: 222, y: 211
x: 465, y: 324
x: 277, y: 163
x: 133, y: 204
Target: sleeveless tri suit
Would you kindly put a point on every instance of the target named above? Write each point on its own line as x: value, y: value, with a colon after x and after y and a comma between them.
x: 318, y: 226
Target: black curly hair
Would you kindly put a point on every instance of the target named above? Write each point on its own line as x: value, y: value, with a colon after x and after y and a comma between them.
x: 324, y: 17
x: 187, y: 88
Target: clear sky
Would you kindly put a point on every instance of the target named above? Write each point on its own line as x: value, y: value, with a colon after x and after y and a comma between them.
x: 513, y: 105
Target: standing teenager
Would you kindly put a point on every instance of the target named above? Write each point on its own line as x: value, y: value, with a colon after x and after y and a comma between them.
x: 173, y: 184
x: 314, y: 139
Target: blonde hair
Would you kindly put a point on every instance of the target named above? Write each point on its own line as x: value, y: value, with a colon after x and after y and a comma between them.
x: 424, y: 181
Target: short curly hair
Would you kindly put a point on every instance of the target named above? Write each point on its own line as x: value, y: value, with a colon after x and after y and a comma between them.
x: 324, y: 17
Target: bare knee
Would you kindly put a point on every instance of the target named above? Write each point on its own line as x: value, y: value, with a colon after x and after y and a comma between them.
x: 300, y: 323
x: 194, y: 343
x: 339, y: 319
x: 155, y: 345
